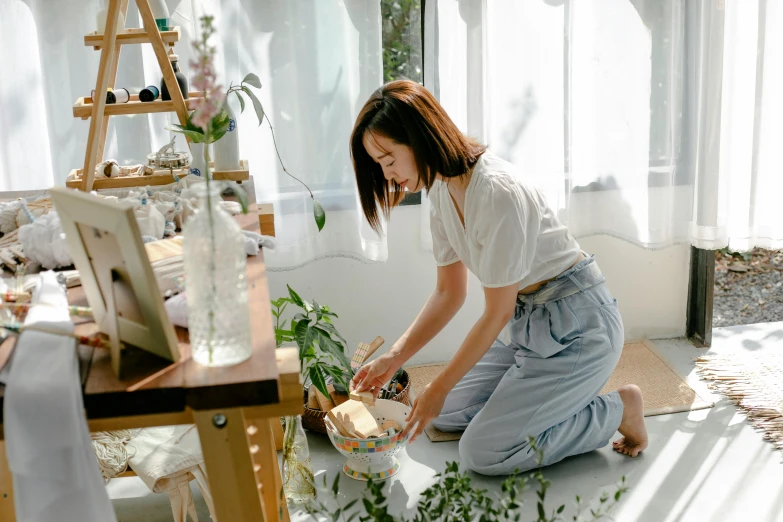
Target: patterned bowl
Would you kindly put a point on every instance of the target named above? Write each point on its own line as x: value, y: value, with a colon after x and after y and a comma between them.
x: 372, y: 458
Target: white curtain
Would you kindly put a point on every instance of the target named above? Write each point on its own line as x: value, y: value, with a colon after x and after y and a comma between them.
x: 627, y: 113
x: 318, y: 60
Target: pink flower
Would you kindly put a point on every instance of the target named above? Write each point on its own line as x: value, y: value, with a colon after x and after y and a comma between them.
x: 205, y: 79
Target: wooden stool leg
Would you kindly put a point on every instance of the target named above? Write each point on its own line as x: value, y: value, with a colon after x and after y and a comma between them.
x: 7, y: 513
x: 260, y: 431
x: 229, y: 465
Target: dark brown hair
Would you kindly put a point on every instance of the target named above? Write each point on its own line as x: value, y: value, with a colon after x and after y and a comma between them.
x: 406, y: 112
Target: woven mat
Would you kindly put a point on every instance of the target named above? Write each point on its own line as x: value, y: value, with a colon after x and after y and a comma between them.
x: 664, y: 391
x: 754, y: 382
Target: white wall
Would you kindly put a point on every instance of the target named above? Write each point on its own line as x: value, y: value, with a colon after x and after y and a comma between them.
x: 382, y: 299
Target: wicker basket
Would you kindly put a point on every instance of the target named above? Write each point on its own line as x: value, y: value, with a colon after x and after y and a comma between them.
x: 313, y: 420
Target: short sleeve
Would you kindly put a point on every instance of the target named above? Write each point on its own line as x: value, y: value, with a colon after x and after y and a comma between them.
x: 508, y: 230
x: 441, y: 248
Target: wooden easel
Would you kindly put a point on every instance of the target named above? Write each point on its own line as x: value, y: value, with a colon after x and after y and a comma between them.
x: 110, y: 44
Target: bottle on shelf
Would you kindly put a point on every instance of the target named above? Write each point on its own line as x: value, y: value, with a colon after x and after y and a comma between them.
x: 181, y: 79
x: 161, y: 13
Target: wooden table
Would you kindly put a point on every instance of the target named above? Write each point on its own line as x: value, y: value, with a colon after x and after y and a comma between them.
x: 232, y: 407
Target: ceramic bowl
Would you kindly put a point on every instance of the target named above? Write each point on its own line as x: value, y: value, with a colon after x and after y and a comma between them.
x: 373, y: 458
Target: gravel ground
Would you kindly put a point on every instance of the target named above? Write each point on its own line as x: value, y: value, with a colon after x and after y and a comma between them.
x: 748, y: 287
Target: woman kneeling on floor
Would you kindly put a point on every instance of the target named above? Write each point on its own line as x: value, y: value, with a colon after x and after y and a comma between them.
x: 551, y: 333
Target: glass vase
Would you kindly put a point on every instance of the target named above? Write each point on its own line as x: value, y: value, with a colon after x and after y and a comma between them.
x: 215, y: 282
x: 298, y: 479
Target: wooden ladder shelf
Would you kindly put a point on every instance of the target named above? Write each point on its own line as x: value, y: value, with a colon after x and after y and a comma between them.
x: 109, y: 44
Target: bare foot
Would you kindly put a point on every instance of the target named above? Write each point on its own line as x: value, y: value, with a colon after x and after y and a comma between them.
x: 632, y: 426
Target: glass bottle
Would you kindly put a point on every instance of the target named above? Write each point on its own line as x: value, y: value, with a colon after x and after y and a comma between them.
x: 215, y: 282
x: 181, y: 80
x: 298, y: 479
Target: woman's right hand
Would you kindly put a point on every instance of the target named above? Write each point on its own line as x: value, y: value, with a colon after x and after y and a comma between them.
x: 374, y: 375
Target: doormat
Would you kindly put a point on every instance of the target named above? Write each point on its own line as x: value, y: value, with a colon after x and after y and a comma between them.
x: 664, y: 391
x: 754, y: 382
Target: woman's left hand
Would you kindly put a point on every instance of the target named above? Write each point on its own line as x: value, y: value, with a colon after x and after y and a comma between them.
x: 426, y: 407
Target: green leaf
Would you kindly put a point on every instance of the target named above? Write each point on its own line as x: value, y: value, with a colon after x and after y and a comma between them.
x: 541, y: 513
x: 241, y: 102
x: 253, y: 80
x: 367, y: 505
x: 240, y: 193
x: 304, y: 336
x: 309, y: 353
x: 318, y: 380
x: 320, y: 214
x: 336, y: 484
x: 256, y: 105
x: 331, y: 347
x: 350, y: 504
x: 295, y: 297
x: 196, y: 136
x: 219, y: 125
x: 332, y: 330
x: 560, y: 509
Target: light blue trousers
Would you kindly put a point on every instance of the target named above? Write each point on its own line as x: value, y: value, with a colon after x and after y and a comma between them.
x: 565, y: 342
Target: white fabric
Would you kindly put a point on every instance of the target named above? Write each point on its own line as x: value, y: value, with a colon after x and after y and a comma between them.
x: 163, y: 452
x: 177, y: 309
x: 655, y: 121
x: 166, y: 459
x: 151, y: 221
x: 43, y: 241
x: 318, y: 63
x: 48, y: 446
x: 510, y: 236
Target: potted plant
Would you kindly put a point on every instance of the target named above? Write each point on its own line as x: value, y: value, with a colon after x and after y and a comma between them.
x: 322, y: 354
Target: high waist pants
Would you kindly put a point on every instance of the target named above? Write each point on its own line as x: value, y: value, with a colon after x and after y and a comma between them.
x: 543, y: 379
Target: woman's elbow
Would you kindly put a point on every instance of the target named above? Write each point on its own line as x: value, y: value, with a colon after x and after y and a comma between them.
x: 454, y: 297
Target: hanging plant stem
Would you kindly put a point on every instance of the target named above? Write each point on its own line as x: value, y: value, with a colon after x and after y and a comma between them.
x: 318, y: 209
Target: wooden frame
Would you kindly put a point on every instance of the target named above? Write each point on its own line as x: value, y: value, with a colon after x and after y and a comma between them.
x: 105, y: 243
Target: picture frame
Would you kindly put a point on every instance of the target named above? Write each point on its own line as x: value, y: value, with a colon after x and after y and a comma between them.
x: 105, y: 243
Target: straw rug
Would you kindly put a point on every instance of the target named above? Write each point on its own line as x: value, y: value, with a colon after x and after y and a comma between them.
x: 664, y: 391
x: 754, y: 382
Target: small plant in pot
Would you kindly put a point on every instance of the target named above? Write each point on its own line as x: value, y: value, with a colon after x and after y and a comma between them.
x: 325, y: 366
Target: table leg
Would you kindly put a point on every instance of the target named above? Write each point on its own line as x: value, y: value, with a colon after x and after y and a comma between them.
x: 7, y: 513
x: 261, y: 435
x: 227, y: 455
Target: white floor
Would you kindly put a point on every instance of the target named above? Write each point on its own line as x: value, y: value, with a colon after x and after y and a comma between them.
x: 707, y: 465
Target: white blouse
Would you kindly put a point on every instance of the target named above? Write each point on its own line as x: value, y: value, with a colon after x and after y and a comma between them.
x: 511, y: 236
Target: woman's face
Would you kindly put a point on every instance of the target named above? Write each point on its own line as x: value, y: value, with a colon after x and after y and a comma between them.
x: 396, y: 160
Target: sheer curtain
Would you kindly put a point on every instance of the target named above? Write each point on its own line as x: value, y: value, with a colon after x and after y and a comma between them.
x: 626, y: 113
x: 318, y: 62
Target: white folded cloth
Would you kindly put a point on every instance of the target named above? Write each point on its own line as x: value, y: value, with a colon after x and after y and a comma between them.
x: 253, y: 242
x: 166, y: 459
x: 165, y: 452
x: 55, y: 473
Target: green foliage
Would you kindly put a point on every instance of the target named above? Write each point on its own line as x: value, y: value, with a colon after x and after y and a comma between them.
x: 218, y: 127
x: 402, y: 57
x: 745, y: 256
x: 321, y: 347
x: 454, y: 498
